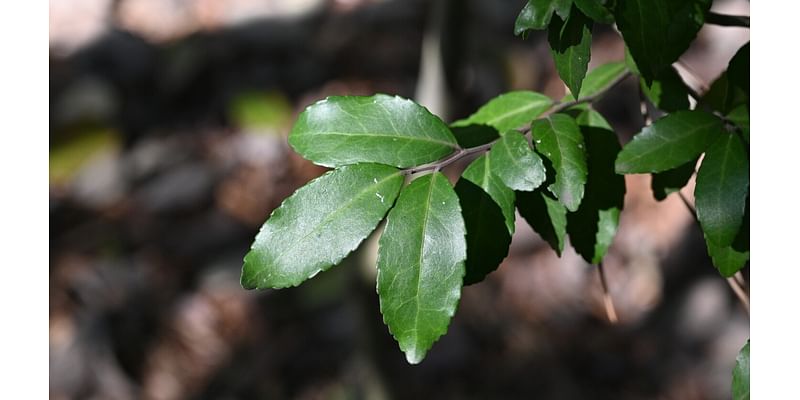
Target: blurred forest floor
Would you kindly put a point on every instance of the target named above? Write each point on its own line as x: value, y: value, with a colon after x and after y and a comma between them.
x: 168, y: 125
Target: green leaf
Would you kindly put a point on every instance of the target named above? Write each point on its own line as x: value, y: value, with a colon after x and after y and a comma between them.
x: 593, y: 119
x: 383, y: 129
x: 537, y: 14
x: 481, y: 172
x: 513, y: 161
x: 559, y: 139
x: 570, y: 45
x: 657, y: 32
x: 509, y: 110
x: 740, y: 387
x: 667, y: 92
x: 319, y: 225
x: 739, y: 70
x: 727, y: 259
x: 732, y: 88
x: 669, y: 142
x: 474, y: 135
x: 721, y: 190
x: 671, y: 181
x: 488, y: 209
x: 595, y: 10
x: 741, y: 117
x: 592, y: 227
x: 599, y: 79
x: 421, y: 264
x: 546, y: 216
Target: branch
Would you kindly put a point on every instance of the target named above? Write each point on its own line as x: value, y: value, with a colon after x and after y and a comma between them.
x: 557, y: 107
x: 728, y: 20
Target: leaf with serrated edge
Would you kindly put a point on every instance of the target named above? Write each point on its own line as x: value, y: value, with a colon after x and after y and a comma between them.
x: 319, y: 225
x: 592, y: 227
x: 513, y: 161
x: 599, y: 79
x: 421, y: 264
x: 383, y: 129
x: 508, y: 111
x: 570, y: 46
x: 721, y: 190
x: 546, y: 216
x: 487, y: 205
x: 740, y: 388
x: 669, y: 142
x: 657, y: 32
x: 559, y: 139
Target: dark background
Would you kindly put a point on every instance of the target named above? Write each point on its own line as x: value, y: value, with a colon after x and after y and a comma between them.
x: 168, y: 124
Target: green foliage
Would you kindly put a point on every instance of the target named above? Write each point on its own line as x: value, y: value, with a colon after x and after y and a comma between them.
x: 508, y: 111
x: 741, y: 374
x: 517, y: 166
x: 380, y: 129
x: 559, y: 139
x: 570, y: 43
x: 421, y: 264
x: 669, y: 142
x: 320, y: 224
x: 657, y: 32
x: 558, y: 163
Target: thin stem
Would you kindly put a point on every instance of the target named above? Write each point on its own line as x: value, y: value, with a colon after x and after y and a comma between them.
x: 688, y: 205
x: 728, y: 20
x: 611, y: 312
x: 557, y: 107
x: 740, y: 293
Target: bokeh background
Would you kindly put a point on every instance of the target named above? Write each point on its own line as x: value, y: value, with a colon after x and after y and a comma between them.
x: 168, y: 126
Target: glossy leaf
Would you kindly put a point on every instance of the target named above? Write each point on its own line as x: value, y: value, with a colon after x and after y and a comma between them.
x: 723, y: 96
x: 657, y: 32
x: 509, y: 110
x: 487, y: 206
x: 319, y: 225
x: 667, y: 92
x: 570, y: 44
x: 592, y: 227
x: 599, y: 79
x: 595, y: 10
x: 343, y: 130
x: 537, y: 14
x: 513, y: 161
x: 669, y: 142
x: 727, y: 259
x: 740, y: 388
x: 671, y: 181
x: 721, y: 190
x: 421, y: 264
x: 559, y: 139
x: 546, y: 216
x: 481, y: 172
x: 592, y: 118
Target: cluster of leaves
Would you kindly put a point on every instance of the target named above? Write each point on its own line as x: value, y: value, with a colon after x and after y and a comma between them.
x: 559, y: 163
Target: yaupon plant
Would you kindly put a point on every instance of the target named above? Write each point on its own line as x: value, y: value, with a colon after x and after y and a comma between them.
x: 558, y: 162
